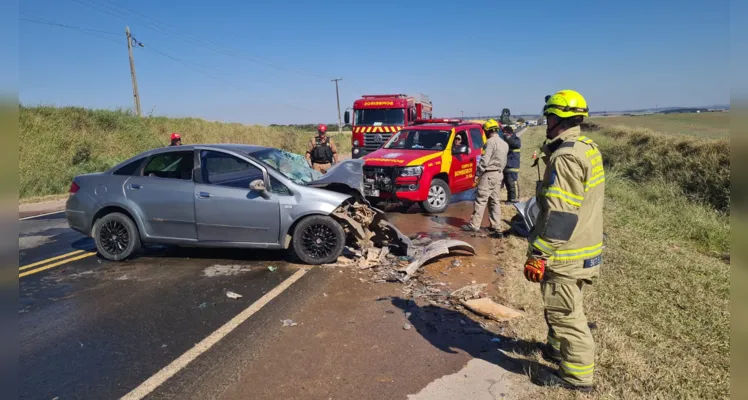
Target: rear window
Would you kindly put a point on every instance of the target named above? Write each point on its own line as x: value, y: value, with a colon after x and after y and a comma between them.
x: 130, y: 169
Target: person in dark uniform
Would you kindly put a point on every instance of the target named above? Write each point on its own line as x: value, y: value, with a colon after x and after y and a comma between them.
x: 322, y: 153
x: 511, y: 172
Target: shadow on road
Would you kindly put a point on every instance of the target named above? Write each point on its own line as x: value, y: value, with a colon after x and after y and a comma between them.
x: 450, y: 330
x: 162, y: 251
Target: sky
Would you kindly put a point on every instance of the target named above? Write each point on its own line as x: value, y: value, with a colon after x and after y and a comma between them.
x: 272, y: 61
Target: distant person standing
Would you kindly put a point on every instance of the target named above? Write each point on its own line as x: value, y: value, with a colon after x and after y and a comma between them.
x: 489, y: 177
x: 176, y: 140
x: 322, y: 153
x: 511, y: 172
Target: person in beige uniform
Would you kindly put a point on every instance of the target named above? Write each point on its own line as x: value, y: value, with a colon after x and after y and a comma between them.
x: 489, y: 175
x: 566, y: 244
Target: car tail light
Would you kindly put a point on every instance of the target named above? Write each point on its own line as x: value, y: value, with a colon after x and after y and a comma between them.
x: 74, y: 188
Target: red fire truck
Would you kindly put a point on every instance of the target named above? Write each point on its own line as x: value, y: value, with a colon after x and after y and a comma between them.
x: 376, y: 117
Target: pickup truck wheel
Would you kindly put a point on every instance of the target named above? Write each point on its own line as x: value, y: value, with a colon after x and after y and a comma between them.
x: 318, y: 239
x: 438, y: 199
x: 116, y: 236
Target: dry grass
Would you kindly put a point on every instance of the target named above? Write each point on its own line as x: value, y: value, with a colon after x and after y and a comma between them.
x: 662, y: 304
x: 715, y: 125
x: 57, y: 144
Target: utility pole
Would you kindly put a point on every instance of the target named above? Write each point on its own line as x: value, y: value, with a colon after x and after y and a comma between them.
x: 132, y: 71
x: 462, y: 114
x: 337, y: 95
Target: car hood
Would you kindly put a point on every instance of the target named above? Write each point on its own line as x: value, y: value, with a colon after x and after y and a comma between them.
x: 398, y: 158
x: 347, y: 172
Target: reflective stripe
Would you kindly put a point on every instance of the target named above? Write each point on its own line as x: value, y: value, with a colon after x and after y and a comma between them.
x: 594, y: 181
x: 570, y: 198
x: 576, y: 369
x: 516, y: 150
x: 585, y: 139
x: 555, y: 343
x: 512, y: 170
x: 568, y: 255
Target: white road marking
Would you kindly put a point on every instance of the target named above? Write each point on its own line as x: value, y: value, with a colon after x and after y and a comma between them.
x: 41, y: 215
x: 172, y: 369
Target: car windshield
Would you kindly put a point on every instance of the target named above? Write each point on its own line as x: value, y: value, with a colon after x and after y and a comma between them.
x: 292, y: 166
x: 408, y: 139
x: 380, y: 116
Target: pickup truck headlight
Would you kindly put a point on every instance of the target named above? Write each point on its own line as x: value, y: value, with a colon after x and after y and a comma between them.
x: 355, y: 143
x: 411, y: 171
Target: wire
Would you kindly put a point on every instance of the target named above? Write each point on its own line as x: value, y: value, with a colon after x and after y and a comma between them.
x: 45, y: 22
x: 116, y: 10
x: 163, y: 54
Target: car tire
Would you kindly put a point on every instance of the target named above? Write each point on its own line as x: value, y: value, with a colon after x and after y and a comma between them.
x: 318, y: 240
x: 438, y: 197
x: 116, y: 236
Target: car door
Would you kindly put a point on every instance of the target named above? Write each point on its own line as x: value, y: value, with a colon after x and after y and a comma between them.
x: 477, y: 140
x: 462, y: 169
x: 226, y: 209
x: 163, y: 195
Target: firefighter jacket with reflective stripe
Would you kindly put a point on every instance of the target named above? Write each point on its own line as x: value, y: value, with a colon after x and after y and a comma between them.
x: 512, y: 160
x: 494, y: 155
x: 569, y: 228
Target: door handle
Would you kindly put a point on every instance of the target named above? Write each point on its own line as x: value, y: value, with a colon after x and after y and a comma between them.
x: 205, y: 195
x: 135, y: 186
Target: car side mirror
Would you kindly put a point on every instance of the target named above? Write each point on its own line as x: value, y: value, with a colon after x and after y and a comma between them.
x: 461, y: 149
x: 258, y: 185
x: 347, y: 117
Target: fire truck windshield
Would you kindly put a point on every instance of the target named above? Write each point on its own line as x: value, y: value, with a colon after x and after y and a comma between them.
x: 380, y: 116
x: 408, y: 139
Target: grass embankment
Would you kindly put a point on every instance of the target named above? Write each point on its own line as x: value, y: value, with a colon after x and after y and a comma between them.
x: 57, y: 144
x: 662, y: 304
x: 715, y: 125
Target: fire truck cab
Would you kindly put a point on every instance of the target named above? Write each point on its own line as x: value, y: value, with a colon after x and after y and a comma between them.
x: 376, y: 117
x: 426, y: 163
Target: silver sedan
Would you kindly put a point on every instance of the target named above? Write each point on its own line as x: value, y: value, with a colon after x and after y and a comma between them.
x: 218, y: 196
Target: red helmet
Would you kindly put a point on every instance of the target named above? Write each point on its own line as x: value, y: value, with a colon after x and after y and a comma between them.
x: 322, y: 128
x: 175, y: 136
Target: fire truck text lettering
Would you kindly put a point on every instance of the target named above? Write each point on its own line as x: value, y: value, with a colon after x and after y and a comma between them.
x: 379, y: 103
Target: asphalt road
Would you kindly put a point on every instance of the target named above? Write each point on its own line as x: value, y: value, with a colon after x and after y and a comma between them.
x: 162, y: 326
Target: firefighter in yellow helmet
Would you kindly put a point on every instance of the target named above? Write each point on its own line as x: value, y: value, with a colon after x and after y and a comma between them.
x: 489, y: 175
x: 565, y: 245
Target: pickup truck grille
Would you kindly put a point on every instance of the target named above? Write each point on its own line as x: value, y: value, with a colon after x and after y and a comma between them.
x: 372, y: 143
x: 379, y: 178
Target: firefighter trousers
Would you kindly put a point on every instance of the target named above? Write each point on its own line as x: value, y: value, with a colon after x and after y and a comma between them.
x: 511, y: 182
x: 568, y: 332
x: 489, y: 190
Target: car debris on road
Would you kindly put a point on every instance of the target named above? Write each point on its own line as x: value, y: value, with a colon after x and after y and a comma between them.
x: 232, y: 295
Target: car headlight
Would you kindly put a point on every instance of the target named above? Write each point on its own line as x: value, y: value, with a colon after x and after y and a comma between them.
x: 355, y: 142
x: 411, y: 171
x: 355, y: 151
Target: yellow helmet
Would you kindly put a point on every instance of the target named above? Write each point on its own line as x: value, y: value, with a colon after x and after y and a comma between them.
x: 490, y: 124
x: 566, y: 104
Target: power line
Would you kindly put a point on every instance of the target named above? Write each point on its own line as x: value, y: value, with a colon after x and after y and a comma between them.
x: 187, y: 64
x: 39, y: 20
x: 121, y: 12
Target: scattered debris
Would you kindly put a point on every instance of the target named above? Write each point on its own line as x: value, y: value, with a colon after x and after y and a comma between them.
x: 406, y: 327
x: 468, y: 292
x: 499, y: 271
x: 496, y: 340
x: 232, y: 295
x: 324, y: 294
x: 203, y: 305
x: 288, y: 322
x: 163, y: 346
x: 224, y: 270
x: 456, y: 263
x: 489, y: 309
x: 272, y: 269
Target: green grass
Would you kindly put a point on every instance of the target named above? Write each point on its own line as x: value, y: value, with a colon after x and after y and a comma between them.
x: 662, y: 304
x: 56, y: 144
x: 707, y: 125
